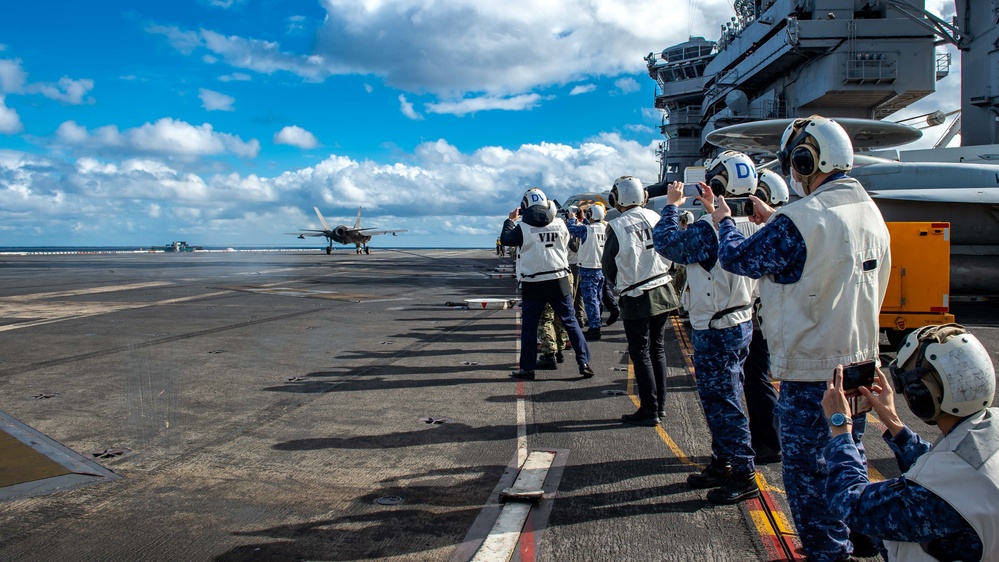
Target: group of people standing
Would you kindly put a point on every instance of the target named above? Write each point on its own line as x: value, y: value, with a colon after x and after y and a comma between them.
x: 791, y: 292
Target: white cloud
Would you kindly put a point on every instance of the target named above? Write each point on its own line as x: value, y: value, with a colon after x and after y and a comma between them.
x: 10, y: 122
x: 477, y: 189
x: 295, y: 136
x: 627, y: 85
x: 12, y: 77
x: 296, y: 24
x: 235, y: 77
x: 166, y: 136
x: 184, y: 41
x: 486, y: 103
x: 407, y: 109
x: 582, y: 89
x: 507, y: 48
x: 67, y: 90
x: 13, y: 80
x: 215, y: 101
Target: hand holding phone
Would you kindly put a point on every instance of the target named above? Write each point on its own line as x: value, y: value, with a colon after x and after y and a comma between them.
x: 856, y: 375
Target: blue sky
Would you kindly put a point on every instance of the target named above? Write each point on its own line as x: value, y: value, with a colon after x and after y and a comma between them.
x: 223, y: 122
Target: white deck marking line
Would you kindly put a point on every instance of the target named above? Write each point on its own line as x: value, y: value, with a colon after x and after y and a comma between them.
x: 64, y: 313
x: 90, y: 291
x: 521, y: 408
x: 501, y: 542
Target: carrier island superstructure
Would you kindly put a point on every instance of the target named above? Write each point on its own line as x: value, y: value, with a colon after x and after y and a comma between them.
x: 838, y: 58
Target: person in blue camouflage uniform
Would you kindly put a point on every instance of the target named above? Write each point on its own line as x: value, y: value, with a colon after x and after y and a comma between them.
x: 778, y: 250
x: 901, y: 509
x: 719, y: 355
x: 591, y: 281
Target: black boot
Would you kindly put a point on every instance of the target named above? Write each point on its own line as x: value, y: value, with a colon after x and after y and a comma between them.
x: 641, y: 418
x: 739, y: 487
x: 559, y: 357
x: 613, y: 317
x: 522, y: 374
x: 586, y: 371
x: 547, y: 362
x: 713, y: 475
x: 592, y: 334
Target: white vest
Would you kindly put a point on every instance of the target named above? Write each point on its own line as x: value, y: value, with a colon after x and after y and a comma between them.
x: 830, y: 315
x: 713, y: 291
x: 543, y: 255
x: 592, y: 249
x: 639, y: 265
x: 963, y: 469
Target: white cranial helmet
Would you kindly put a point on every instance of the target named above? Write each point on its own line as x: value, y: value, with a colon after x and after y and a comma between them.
x: 686, y: 218
x: 628, y: 191
x: 772, y: 188
x: 532, y: 197
x: 943, y: 370
x: 815, y: 144
x: 732, y: 174
x: 595, y: 212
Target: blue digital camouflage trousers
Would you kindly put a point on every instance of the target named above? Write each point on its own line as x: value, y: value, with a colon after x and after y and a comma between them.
x: 804, y: 435
x: 591, y: 287
x: 718, y: 361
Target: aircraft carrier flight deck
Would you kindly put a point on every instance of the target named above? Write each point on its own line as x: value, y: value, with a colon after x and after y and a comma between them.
x: 299, y: 406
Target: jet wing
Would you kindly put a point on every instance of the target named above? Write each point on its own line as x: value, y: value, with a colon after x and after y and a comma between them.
x: 370, y: 232
x: 970, y: 195
x: 764, y: 136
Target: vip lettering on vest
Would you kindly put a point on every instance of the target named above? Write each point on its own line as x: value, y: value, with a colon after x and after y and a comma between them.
x: 644, y: 235
x: 548, y: 238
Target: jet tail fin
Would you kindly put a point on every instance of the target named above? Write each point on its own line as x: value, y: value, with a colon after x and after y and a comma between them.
x: 321, y: 219
x: 357, y: 223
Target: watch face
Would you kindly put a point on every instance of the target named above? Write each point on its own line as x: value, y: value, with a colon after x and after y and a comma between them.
x: 838, y: 419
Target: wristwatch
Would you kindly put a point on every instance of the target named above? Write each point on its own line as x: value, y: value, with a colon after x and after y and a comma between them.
x: 839, y: 419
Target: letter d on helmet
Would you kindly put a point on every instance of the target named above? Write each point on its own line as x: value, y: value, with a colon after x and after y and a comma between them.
x: 628, y: 191
x: 532, y: 197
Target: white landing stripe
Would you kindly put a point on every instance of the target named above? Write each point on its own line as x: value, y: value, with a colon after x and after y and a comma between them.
x: 502, y: 541
x: 521, y: 409
x: 521, y: 432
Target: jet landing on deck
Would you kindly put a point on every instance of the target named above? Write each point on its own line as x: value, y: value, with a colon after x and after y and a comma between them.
x: 343, y: 234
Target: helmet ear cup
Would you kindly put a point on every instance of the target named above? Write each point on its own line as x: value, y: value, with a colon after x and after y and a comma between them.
x: 719, y: 185
x: 804, y: 160
x: 923, y: 397
x: 612, y: 198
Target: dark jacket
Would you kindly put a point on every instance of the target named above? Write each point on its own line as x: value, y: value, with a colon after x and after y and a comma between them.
x: 538, y: 215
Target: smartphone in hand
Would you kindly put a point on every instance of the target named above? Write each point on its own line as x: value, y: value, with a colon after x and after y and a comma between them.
x: 856, y: 375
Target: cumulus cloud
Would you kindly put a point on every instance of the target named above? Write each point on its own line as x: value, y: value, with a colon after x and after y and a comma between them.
x: 295, y: 136
x: 14, y: 80
x: 12, y: 77
x: 627, y: 85
x: 476, y: 189
x: 486, y: 103
x: 582, y: 89
x: 216, y: 101
x: 10, y: 122
x: 407, y: 109
x: 507, y: 48
x: 166, y: 136
x: 67, y: 90
x: 235, y: 77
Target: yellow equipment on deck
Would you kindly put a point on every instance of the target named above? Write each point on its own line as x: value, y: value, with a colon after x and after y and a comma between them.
x: 919, y: 287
